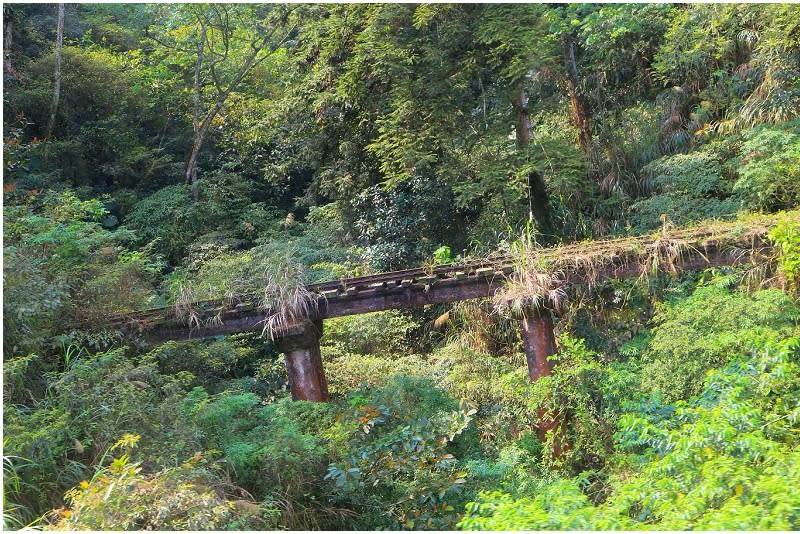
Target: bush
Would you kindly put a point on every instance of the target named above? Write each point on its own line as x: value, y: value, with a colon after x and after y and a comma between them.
x: 397, y: 228
x: 727, y: 459
x: 120, y: 497
x: 472, y: 375
x: 170, y: 218
x: 347, y: 372
x: 207, y: 362
x: 61, y: 266
x: 398, y: 461
x: 689, y: 187
x: 371, y: 333
x: 582, y: 395
x: 276, y: 452
x: 97, y: 398
x: 769, y: 167
x: 786, y: 236
x: 706, y: 330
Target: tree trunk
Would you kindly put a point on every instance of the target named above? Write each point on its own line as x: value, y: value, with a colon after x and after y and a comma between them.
x: 538, y: 202
x: 580, y: 115
x: 522, y: 117
x: 199, y: 138
x: 191, y: 167
x: 7, y: 37
x: 201, y: 127
x: 197, y: 141
x: 57, y: 81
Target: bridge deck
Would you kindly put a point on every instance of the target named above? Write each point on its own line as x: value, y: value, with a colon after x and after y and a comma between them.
x: 581, y: 263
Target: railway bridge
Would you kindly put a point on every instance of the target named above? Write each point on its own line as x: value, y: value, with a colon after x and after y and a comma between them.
x: 718, y: 244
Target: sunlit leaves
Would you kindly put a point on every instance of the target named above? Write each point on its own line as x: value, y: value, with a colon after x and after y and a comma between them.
x: 709, y: 464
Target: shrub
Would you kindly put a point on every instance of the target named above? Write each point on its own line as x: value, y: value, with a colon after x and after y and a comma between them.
x: 170, y: 218
x: 727, y: 459
x: 688, y: 187
x: 103, y: 122
x: 786, y: 235
x: 397, y: 461
x: 85, y: 407
x: 208, y: 362
x: 120, y: 497
x: 382, y: 333
x: 472, y: 375
x: 62, y: 266
x: 769, y: 167
x: 276, y: 452
x: 346, y: 372
x: 706, y: 330
x: 585, y: 395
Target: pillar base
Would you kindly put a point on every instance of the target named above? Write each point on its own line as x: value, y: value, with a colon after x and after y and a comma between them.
x: 304, y: 361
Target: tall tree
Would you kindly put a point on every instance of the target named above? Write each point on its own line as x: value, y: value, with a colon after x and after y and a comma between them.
x: 57, y: 75
x: 218, y: 28
x: 518, y: 45
x: 580, y: 110
x: 224, y: 43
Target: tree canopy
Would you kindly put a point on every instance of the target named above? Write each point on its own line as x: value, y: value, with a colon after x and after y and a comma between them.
x: 157, y: 154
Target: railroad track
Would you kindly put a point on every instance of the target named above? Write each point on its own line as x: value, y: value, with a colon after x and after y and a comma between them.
x: 614, y: 258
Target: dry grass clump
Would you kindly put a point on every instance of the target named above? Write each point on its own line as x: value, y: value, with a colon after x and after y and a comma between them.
x: 184, y: 308
x: 475, y: 326
x: 285, y: 299
x: 531, y: 285
x: 274, y: 285
x: 530, y: 289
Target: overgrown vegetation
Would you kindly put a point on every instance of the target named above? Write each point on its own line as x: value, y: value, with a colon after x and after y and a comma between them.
x: 205, y: 151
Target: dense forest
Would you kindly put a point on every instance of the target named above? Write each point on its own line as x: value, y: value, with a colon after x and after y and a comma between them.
x: 156, y: 155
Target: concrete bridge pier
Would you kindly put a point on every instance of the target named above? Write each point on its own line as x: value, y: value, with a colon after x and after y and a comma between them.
x: 538, y: 341
x: 300, y: 343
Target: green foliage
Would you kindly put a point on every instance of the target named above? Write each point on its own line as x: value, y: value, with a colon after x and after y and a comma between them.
x: 443, y: 255
x: 707, y: 330
x: 61, y: 266
x: 768, y: 169
x: 589, y: 397
x: 689, y: 187
x: 15, y: 514
x: 97, y: 398
x: 727, y: 459
x: 172, y: 219
x: 102, y: 124
x: 276, y: 451
x: 205, y: 361
x: 401, y: 227
x: 377, y: 137
x: 120, y: 497
x: 584, y: 395
x: 786, y: 235
x: 472, y: 375
x: 398, y: 454
x: 346, y: 372
x: 372, y: 333
x: 699, y: 41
